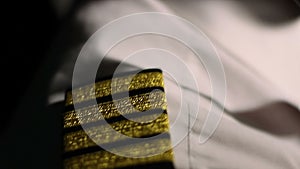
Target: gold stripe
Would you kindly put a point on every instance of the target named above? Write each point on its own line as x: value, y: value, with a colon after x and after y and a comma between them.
x: 124, y: 106
x: 149, y: 124
x: 100, y: 134
x: 107, y: 160
x: 119, y: 84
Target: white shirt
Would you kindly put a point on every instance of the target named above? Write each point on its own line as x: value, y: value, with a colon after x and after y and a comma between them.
x: 261, y: 64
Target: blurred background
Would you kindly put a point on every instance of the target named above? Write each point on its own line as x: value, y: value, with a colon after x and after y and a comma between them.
x: 30, y: 29
x: 35, y: 35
